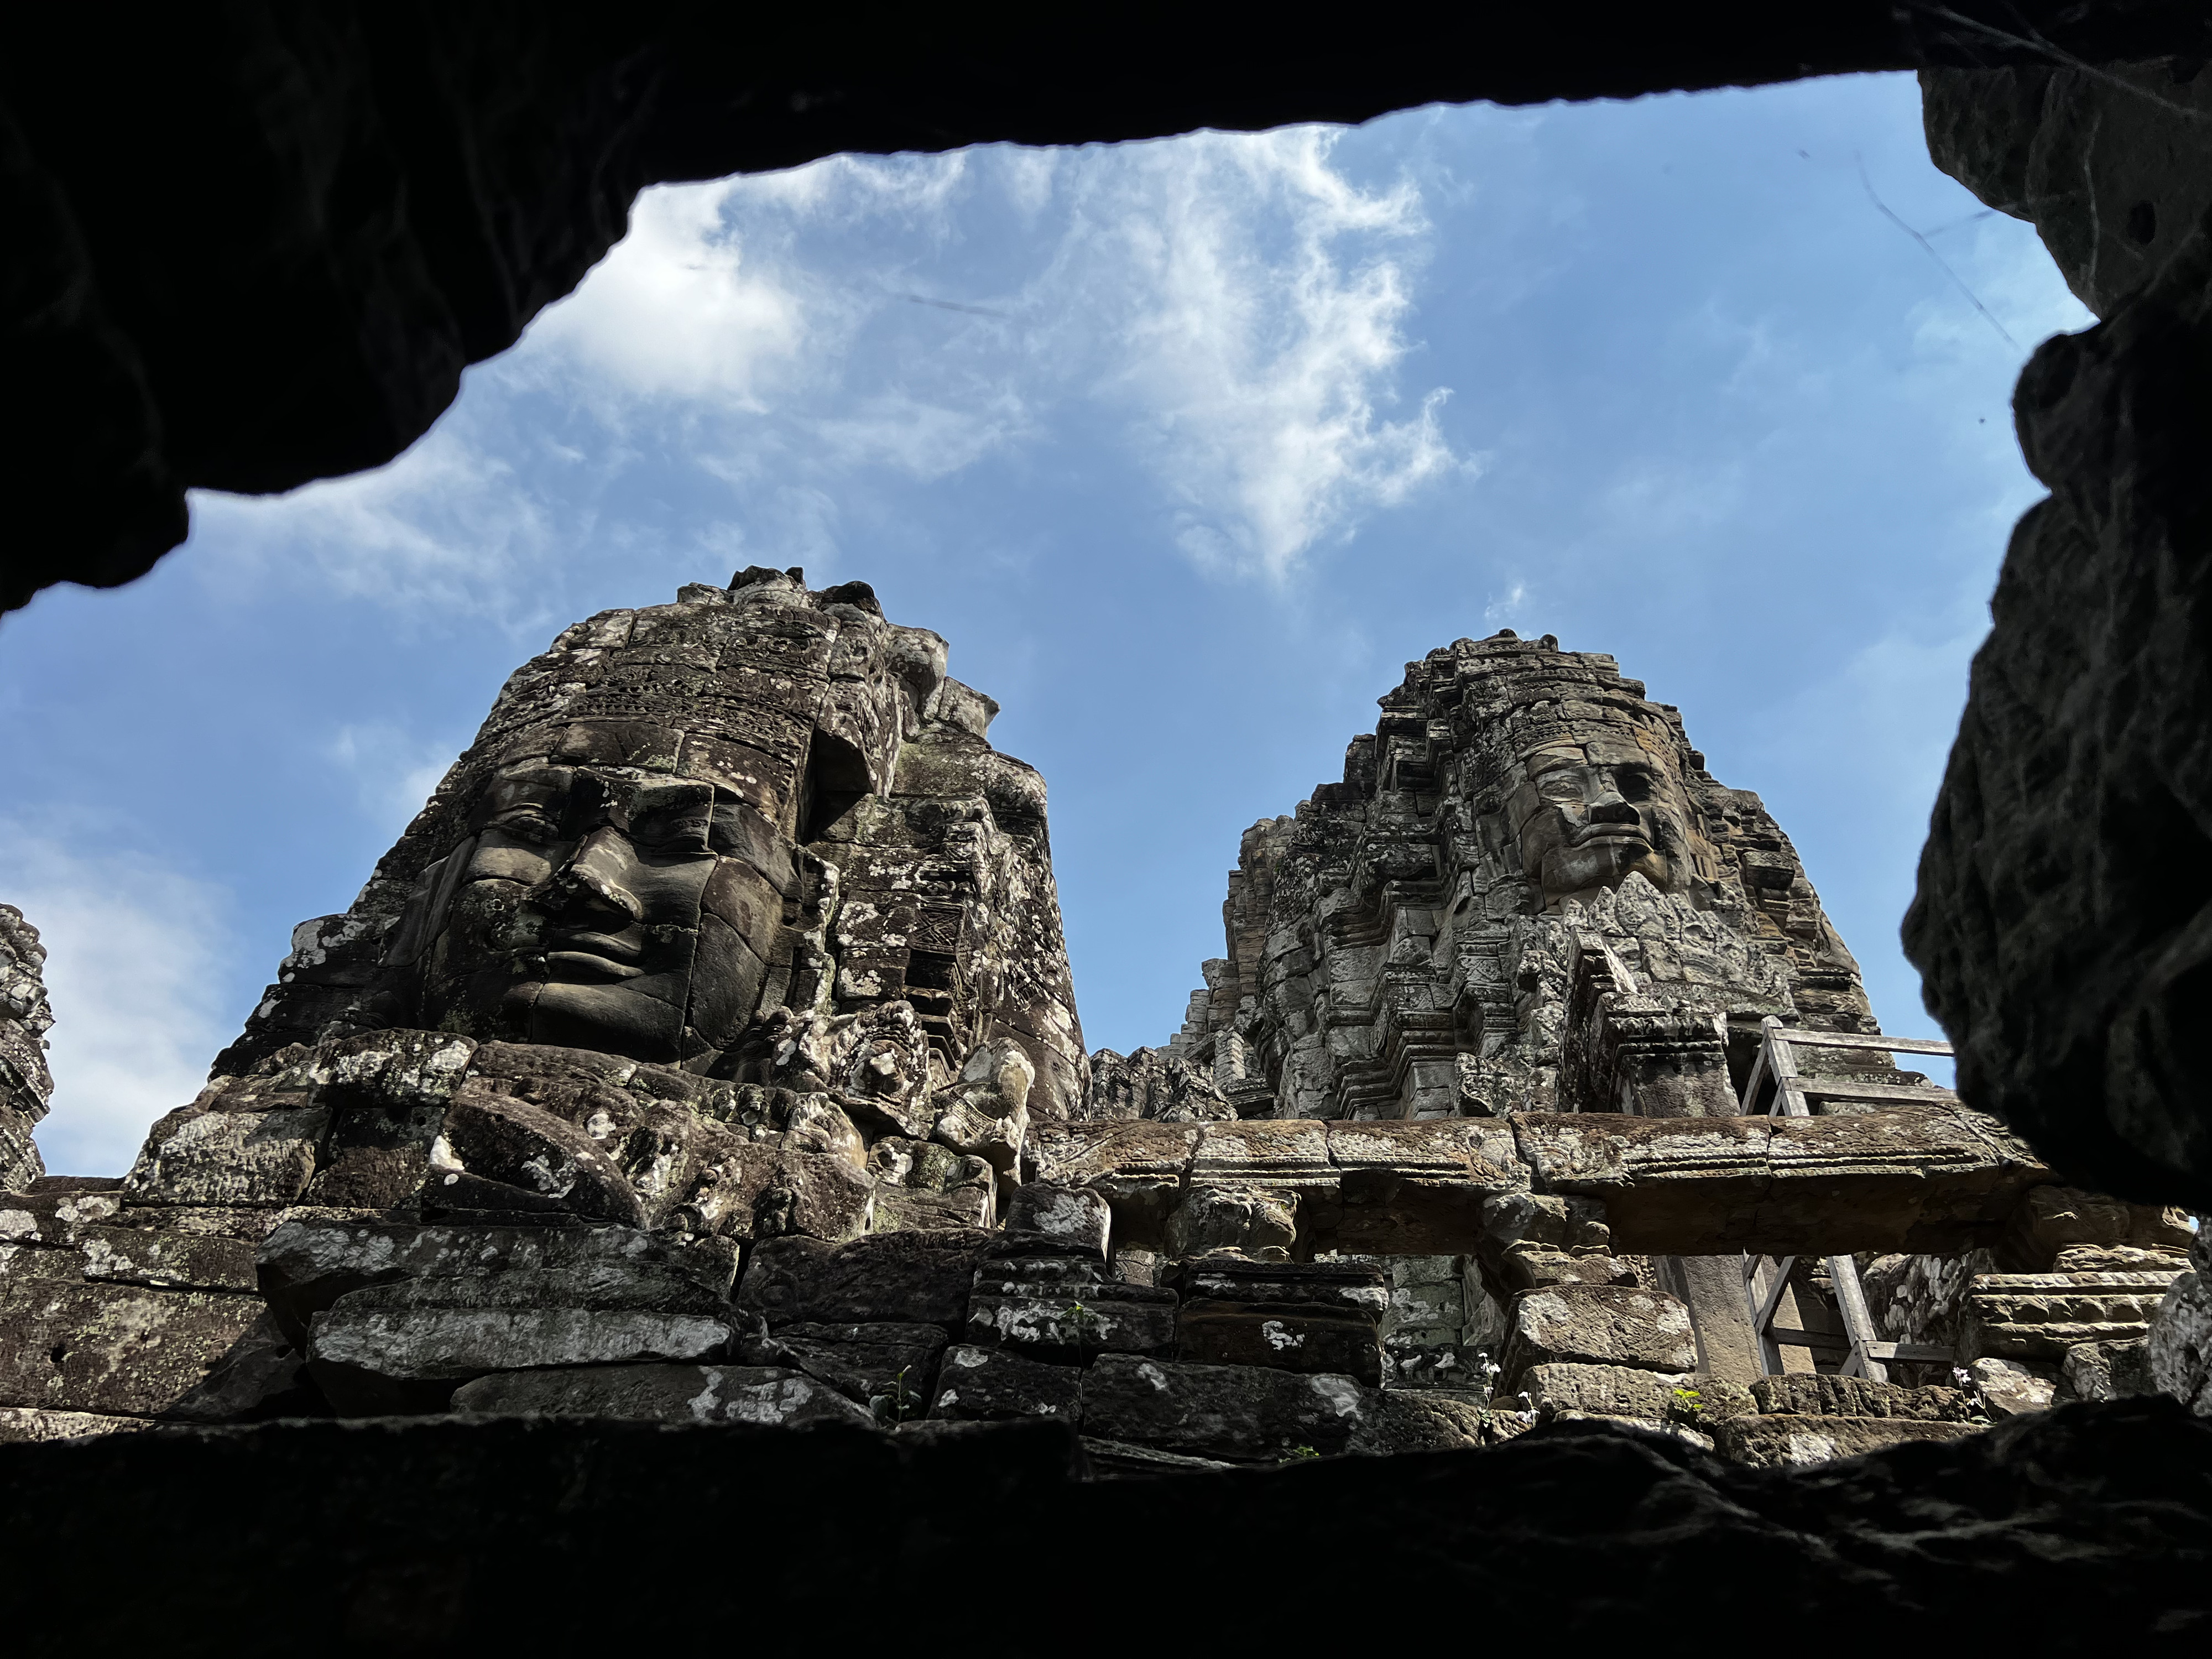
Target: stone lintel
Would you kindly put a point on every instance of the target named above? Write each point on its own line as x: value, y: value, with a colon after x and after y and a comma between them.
x: 1933, y: 1180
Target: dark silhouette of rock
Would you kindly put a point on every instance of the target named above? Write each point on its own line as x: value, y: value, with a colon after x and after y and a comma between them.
x: 2063, y: 921
x: 2088, y: 1530
x: 2112, y: 165
x: 256, y: 248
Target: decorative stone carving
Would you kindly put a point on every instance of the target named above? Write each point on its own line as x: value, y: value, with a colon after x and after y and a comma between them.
x: 751, y: 834
x: 1408, y: 943
x: 25, y: 1085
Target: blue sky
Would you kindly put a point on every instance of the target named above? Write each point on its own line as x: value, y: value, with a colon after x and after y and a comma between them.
x: 1186, y: 447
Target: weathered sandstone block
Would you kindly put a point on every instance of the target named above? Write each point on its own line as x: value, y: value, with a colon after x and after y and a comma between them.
x: 1764, y: 1442
x: 664, y: 1394
x: 888, y: 1361
x: 1598, y: 1325
x: 1071, y: 1216
x: 307, y: 1266
x: 2179, y: 1351
x: 1289, y: 1336
x: 1066, y: 1317
x: 990, y: 1382
x: 245, y: 1158
x: 2040, y: 1316
x: 1626, y: 1392
x: 1242, y: 1413
x: 406, y: 1347
x: 121, y: 1350
x: 913, y: 1277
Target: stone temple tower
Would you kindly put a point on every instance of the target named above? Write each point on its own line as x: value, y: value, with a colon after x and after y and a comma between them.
x: 692, y: 834
x: 1401, y: 946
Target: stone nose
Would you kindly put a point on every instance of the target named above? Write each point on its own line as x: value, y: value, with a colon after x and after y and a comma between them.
x: 597, y: 867
x: 1609, y: 808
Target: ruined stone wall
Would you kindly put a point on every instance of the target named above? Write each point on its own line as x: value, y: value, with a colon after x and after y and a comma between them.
x: 730, y: 926
x: 704, y: 1052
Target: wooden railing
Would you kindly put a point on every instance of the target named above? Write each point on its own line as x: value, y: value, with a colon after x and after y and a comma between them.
x: 1776, y: 1087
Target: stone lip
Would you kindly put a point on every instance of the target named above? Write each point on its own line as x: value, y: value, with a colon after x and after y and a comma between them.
x: 2086, y: 1525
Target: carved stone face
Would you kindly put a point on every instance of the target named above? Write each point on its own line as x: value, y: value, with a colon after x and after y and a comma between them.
x: 1587, y: 817
x: 593, y: 910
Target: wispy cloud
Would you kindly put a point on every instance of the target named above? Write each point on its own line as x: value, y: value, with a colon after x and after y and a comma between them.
x: 393, y: 771
x: 450, y: 527
x: 1507, y: 606
x: 133, y: 954
x: 1261, y: 299
x: 1232, y: 309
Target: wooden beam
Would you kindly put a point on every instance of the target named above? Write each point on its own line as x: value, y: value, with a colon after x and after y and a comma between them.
x: 1763, y: 1314
x: 1881, y: 1045
x: 1914, y: 1354
x: 1788, y: 1099
x: 1886, y: 1094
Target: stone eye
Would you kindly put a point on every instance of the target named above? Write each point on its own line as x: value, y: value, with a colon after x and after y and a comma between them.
x: 528, y: 825
x: 672, y: 832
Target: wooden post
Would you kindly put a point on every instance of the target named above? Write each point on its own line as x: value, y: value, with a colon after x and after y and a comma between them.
x: 1763, y: 1304
x: 1858, y: 1324
x: 1789, y: 1095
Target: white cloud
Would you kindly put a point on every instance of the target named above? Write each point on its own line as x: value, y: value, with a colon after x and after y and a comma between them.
x: 447, y: 527
x: 1028, y: 177
x: 921, y: 189
x: 922, y: 440
x: 1261, y: 297
x: 1873, y: 716
x: 1508, y: 606
x: 675, y: 310
x: 1232, y: 305
x: 133, y: 954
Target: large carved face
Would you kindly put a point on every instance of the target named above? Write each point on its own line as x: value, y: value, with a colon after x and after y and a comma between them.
x: 1588, y: 815
x: 596, y: 909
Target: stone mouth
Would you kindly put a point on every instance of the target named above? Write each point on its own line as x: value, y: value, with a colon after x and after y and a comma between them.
x: 1591, y: 833
x: 600, y: 963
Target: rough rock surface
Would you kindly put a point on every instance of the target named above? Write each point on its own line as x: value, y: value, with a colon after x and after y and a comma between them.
x: 24, y: 1083
x: 405, y: 189
x: 990, y: 1384
x: 1599, y: 1325
x: 2111, y: 164
x: 1791, y: 1442
x: 2089, y: 1528
x: 663, y: 1394
x: 2177, y: 1353
x: 2063, y: 921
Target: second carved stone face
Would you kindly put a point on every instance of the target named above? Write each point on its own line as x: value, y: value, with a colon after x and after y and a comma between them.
x: 595, y: 909
x: 1588, y: 817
